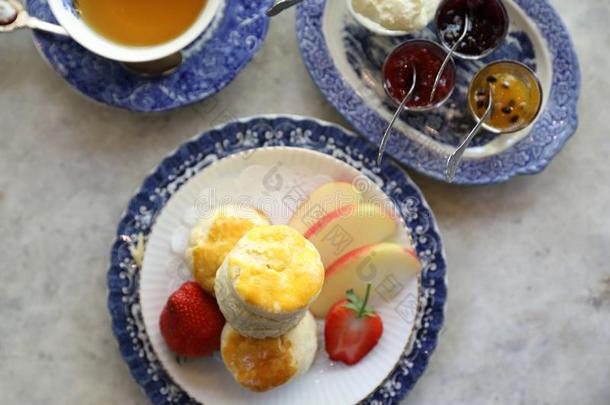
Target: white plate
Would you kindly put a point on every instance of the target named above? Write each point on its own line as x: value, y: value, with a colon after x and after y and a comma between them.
x: 272, y: 179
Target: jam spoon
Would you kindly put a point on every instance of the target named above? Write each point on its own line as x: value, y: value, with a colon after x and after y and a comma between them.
x: 13, y: 16
x: 439, y: 75
x: 386, y: 135
x: 456, y: 157
x: 281, y: 6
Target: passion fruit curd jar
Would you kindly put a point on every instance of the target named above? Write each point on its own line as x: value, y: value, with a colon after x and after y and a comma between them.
x: 517, y: 96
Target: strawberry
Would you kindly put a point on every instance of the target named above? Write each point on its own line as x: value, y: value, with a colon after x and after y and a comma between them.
x: 191, y: 322
x: 352, y: 329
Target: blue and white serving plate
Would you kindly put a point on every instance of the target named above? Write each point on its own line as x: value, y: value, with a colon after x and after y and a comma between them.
x: 345, y: 60
x: 211, y: 62
x: 276, y: 153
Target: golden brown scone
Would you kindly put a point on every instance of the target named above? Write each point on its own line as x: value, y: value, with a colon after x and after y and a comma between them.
x: 214, y: 236
x: 262, y: 364
x: 268, y: 281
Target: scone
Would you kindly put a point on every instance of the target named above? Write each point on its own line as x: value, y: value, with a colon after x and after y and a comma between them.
x: 263, y: 364
x: 214, y: 236
x: 268, y: 281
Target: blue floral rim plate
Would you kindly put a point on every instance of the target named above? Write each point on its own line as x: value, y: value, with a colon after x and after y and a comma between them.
x: 345, y: 61
x: 247, y: 135
x: 211, y: 62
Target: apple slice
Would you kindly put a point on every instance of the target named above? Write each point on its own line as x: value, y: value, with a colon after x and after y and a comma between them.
x: 321, y: 201
x: 349, y: 228
x: 387, y: 266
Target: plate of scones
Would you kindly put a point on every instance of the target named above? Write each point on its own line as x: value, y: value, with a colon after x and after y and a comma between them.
x: 269, y: 261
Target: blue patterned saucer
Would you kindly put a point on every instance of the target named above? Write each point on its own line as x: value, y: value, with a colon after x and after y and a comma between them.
x: 345, y: 60
x: 244, y: 136
x: 210, y: 63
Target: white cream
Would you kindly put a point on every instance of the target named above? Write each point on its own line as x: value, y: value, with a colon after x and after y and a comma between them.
x: 397, y: 15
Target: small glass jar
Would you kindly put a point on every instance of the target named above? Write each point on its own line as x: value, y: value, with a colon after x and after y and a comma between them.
x: 517, y: 96
x: 489, y: 24
x: 426, y: 57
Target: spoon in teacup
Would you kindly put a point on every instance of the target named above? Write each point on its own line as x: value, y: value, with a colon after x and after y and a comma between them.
x: 386, y: 135
x: 13, y: 16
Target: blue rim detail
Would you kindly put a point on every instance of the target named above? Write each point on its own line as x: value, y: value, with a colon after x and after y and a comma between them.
x: 239, y: 136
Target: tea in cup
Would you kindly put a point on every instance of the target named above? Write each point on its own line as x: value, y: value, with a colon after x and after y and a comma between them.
x: 134, y: 30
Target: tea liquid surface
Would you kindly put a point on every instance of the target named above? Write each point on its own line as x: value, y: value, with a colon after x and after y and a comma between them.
x: 140, y: 22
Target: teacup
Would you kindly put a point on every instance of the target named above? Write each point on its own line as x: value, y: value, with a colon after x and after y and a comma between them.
x: 68, y: 15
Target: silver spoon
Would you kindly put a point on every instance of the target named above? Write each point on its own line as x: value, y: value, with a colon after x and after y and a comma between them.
x: 456, y: 157
x: 386, y: 135
x: 156, y: 68
x: 439, y: 75
x: 13, y: 16
x: 281, y: 6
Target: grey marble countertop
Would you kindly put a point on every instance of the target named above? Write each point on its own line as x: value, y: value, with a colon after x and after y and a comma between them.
x: 528, y: 318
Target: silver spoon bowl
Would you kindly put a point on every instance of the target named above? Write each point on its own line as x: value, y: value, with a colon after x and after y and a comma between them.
x: 156, y: 68
x: 13, y: 16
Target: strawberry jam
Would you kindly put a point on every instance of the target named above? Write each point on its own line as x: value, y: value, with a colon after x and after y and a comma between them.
x: 488, y: 28
x: 426, y: 57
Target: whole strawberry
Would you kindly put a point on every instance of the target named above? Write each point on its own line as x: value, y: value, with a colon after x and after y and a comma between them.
x: 352, y: 329
x: 191, y: 322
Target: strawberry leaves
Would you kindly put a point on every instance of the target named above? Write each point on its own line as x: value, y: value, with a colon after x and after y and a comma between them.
x: 361, y: 307
x: 352, y: 329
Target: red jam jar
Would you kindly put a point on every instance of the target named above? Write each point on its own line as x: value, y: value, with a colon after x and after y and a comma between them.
x: 488, y: 26
x: 426, y: 57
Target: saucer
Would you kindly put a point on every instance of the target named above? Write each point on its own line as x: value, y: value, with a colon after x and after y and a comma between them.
x: 214, y: 160
x: 345, y: 60
x: 210, y: 63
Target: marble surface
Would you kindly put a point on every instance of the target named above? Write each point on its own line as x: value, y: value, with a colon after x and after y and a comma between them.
x: 528, y: 319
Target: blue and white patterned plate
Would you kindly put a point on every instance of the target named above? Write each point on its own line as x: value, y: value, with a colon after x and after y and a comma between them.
x: 344, y: 59
x: 210, y: 63
x: 244, y: 136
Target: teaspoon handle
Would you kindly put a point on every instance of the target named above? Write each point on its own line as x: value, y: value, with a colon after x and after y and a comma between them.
x: 386, y: 136
x: 281, y: 6
x: 456, y: 157
x: 439, y: 75
x: 35, y: 23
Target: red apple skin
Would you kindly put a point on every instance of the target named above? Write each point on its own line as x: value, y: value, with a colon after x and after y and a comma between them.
x: 328, y: 218
x: 320, y: 196
x: 362, y: 251
x: 341, y: 274
x: 331, y: 216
